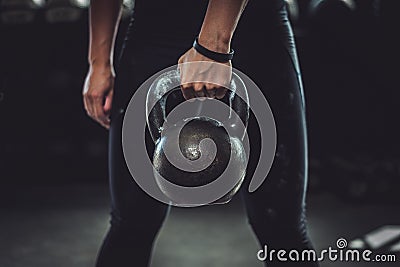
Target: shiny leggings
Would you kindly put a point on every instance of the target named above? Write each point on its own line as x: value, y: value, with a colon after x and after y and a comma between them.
x: 276, y: 211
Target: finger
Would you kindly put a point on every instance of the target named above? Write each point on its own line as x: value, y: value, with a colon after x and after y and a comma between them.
x: 86, y: 104
x: 220, y: 92
x: 99, y: 114
x: 210, y: 90
x: 107, y: 108
x: 89, y: 103
x: 199, y: 90
x: 187, y: 91
x: 108, y: 103
x: 84, y: 96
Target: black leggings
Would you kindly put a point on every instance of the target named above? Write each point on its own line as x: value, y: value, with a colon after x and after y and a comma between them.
x: 276, y: 211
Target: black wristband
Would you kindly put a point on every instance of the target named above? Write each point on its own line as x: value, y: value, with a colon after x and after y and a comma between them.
x: 216, y: 56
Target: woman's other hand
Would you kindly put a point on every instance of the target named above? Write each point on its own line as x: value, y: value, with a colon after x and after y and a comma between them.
x: 98, y: 92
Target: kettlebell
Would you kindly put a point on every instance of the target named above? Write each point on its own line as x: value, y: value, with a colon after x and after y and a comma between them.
x: 186, y: 136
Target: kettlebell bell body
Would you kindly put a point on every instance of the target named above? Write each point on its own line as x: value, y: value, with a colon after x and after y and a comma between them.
x: 202, y: 143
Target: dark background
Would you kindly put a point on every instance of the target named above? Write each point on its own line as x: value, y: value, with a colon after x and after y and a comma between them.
x: 349, y: 54
x: 349, y: 62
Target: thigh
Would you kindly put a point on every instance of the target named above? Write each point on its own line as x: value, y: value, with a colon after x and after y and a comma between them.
x: 130, y: 204
x: 272, y: 64
x: 138, y: 62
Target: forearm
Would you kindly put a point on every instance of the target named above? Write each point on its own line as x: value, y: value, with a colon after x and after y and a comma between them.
x: 103, y: 25
x: 220, y: 23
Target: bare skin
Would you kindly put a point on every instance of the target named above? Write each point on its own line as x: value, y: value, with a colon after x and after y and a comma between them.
x: 216, y: 33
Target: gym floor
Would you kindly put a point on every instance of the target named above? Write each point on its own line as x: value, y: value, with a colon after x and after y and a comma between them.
x: 64, y: 226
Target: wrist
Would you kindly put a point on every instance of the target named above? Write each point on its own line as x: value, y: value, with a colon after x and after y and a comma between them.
x: 217, y: 42
x: 99, y: 62
x: 102, y: 65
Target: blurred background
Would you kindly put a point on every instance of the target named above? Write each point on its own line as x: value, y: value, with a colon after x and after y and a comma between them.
x: 54, y: 201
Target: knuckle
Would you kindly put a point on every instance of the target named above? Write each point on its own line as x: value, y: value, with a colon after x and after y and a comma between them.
x: 198, y: 87
x: 89, y: 95
x: 186, y: 86
x: 211, y: 86
x: 95, y: 95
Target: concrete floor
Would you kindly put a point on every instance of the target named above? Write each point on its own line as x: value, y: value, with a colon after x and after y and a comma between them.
x: 64, y: 226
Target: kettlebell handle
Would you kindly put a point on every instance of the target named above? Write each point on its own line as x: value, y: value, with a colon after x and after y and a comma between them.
x: 159, y: 91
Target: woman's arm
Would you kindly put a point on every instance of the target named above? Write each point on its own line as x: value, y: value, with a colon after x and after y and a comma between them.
x: 98, y: 89
x: 220, y: 23
x: 216, y: 33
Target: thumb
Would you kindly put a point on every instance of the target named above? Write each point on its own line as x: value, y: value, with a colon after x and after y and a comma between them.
x: 108, y: 103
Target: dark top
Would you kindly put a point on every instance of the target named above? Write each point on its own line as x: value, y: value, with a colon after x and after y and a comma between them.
x: 174, y: 17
